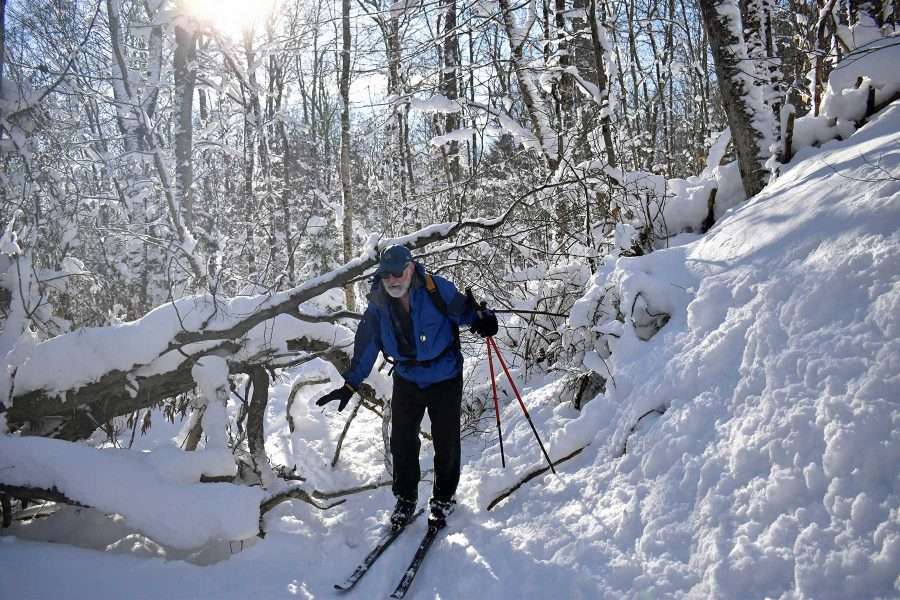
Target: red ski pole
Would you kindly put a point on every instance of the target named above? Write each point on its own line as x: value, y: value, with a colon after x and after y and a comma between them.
x: 496, y: 402
x: 512, y: 384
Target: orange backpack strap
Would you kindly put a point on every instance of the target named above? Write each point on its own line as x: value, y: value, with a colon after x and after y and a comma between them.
x: 435, y: 294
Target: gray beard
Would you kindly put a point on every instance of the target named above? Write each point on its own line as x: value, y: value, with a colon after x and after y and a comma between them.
x: 395, y: 291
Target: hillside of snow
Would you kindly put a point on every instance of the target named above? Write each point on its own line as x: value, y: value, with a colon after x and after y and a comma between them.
x: 771, y: 472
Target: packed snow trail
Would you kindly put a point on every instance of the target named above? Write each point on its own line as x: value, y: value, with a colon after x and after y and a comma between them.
x: 390, y: 534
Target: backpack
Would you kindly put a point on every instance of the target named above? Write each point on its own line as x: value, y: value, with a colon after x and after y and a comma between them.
x: 441, y: 305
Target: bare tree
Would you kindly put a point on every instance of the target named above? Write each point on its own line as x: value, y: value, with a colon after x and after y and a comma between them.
x: 748, y: 117
x: 185, y: 71
x: 2, y: 46
x: 346, y: 186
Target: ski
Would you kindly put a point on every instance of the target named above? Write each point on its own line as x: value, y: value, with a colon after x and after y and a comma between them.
x: 380, y: 546
x: 413, y: 568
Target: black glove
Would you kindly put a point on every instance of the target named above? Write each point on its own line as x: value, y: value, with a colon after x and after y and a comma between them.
x: 485, y: 323
x: 343, y: 394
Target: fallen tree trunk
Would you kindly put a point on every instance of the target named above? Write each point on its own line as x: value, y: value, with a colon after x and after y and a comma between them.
x: 31, y: 493
x: 54, y: 495
x: 78, y: 413
x: 75, y: 413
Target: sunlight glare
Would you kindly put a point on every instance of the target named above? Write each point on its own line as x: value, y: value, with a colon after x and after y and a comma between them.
x: 231, y: 17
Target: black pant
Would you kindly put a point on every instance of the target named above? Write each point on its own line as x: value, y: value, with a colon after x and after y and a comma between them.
x: 443, y: 400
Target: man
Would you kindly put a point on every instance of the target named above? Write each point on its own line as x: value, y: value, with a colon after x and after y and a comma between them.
x: 413, y: 318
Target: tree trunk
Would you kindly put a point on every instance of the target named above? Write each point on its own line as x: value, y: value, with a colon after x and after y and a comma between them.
x: 256, y: 439
x: 407, y: 155
x: 601, y: 78
x: 448, y: 84
x: 2, y: 44
x: 288, y: 167
x: 346, y: 186
x: 122, y: 93
x: 748, y: 118
x: 249, y: 164
x: 473, y: 144
x: 185, y: 78
x: 564, y: 88
x: 395, y: 133
x: 260, y: 140
x: 539, y: 127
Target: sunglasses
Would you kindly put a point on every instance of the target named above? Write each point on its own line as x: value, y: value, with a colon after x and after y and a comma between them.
x: 395, y: 275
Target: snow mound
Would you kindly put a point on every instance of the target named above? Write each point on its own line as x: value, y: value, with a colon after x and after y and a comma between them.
x: 155, y: 492
x: 772, y: 472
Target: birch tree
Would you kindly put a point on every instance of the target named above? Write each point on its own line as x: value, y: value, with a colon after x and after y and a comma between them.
x: 748, y: 118
x: 543, y: 136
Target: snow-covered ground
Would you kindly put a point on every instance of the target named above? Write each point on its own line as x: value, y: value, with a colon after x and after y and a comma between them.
x: 772, y: 472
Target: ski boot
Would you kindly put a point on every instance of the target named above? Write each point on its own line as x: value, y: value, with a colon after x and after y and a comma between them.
x: 403, y: 512
x: 440, y: 510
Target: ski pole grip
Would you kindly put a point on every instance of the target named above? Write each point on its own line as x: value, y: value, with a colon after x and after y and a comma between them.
x: 471, y: 297
x: 479, y: 307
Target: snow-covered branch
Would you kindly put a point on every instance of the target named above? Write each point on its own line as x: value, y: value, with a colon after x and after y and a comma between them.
x: 100, y: 373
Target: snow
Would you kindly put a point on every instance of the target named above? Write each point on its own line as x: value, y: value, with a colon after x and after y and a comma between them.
x: 683, y: 203
x: 156, y: 492
x: 771, y: 472
x: 74, y: 360
x: 463, y: 134
x: 718, y: 149
x: 874, y: 62
x: 402, y: 7
x: 864, y: 31
x: 211, y: 375
x: 9, y: 243
x: 778, y: 370
x: 435, y: 104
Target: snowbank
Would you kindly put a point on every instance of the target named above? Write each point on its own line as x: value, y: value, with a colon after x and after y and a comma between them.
x: 870, y: 68
x: 772, y: 472
x: 873, y: 65
x: 155, y: 492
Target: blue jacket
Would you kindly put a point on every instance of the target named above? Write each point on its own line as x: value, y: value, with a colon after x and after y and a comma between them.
x: 436, y: 354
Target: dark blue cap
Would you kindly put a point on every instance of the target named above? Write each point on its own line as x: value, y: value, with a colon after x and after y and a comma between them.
x: 393, y: 260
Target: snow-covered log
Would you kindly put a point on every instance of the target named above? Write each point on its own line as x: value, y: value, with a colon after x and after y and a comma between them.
x: 69, y: 385
x: 159, y: 493
x: 74, y: 414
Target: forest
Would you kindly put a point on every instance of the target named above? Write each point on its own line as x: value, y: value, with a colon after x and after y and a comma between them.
x: 194, y: 195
